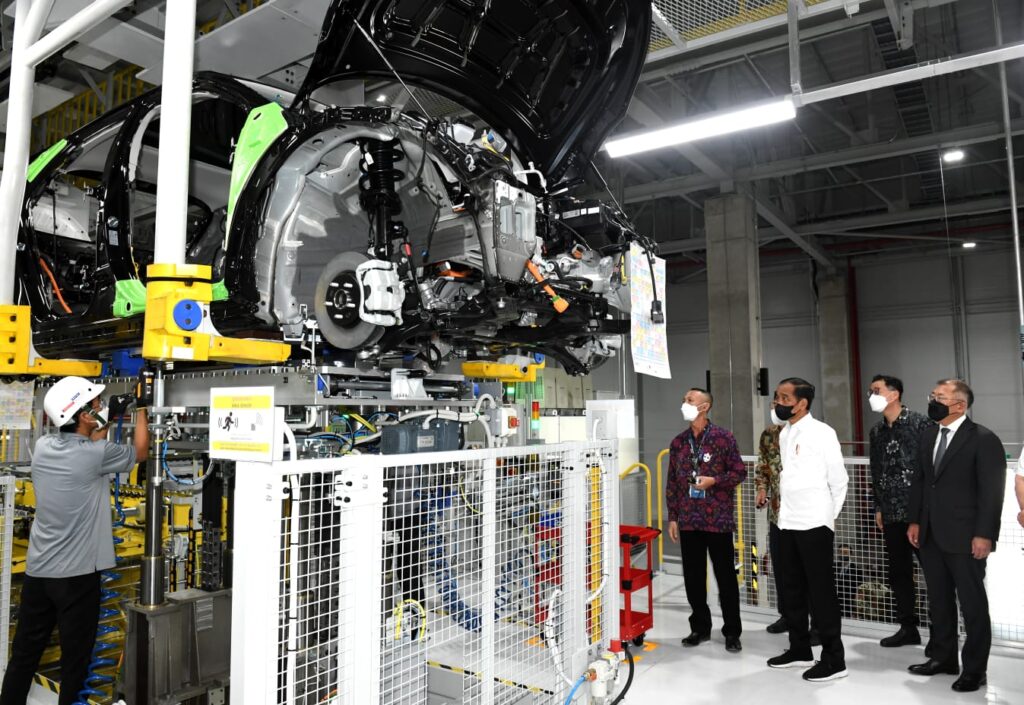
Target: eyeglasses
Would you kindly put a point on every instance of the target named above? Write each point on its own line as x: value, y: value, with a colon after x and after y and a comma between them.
x: 944, y: 400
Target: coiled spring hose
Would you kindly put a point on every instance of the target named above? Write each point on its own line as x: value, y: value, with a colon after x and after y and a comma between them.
x: 95, y: 680
x: 438, y: 501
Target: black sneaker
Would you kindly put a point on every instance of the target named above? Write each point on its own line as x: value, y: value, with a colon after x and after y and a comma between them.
x: 779, y: 626
x: 792, y: 660
x: 821, y: 672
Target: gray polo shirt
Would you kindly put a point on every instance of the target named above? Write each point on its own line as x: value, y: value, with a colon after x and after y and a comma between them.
x: 71, y: 534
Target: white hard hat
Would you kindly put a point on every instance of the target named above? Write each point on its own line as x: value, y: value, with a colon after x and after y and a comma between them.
x: 68, y: 396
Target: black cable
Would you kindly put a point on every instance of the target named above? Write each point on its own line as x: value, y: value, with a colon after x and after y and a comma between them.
x: 488, y: 274
x: 629, y: 678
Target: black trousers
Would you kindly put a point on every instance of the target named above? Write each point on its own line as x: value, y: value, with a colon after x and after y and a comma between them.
x: 809, y: 589
x: 73, y: 606
x: 696, y: 547
x: 951, y: 576
x: 901, y: 573
x: 774, y: 535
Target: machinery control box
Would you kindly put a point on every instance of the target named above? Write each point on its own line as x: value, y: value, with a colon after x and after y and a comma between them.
x: 415, y: 437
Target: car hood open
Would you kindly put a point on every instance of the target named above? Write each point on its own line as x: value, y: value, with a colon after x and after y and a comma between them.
x: 552, y: 76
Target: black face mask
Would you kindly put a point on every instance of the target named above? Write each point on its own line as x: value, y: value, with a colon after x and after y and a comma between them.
x: 785, y: 413
x: 936, y: 410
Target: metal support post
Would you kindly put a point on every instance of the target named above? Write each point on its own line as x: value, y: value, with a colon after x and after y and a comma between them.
x: 175, y: 132
x: 27, y: 51
x: 28, y: 23
x: 793, y: 18
x: 151, y: 582
x: 1014, y: 216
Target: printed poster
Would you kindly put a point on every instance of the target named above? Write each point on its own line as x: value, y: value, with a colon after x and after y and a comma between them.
x: 649, y: 339
x: 16, y: 404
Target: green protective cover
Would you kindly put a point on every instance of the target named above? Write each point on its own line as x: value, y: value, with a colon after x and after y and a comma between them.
x: 220, y: 291
x: 129, y: 298
x: 262, y: 128
x: 40, y: 162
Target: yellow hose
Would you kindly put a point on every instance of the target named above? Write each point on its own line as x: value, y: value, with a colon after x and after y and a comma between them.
x: 661, y: 501
x: 630, y: 469
x: 369, y: 426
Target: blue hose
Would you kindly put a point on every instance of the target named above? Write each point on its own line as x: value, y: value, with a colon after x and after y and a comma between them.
x: 438, y: 501
x: 167, y: 468
x: 572, y: 693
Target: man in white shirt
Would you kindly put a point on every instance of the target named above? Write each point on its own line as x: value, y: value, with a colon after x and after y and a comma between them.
x: 1018, y: 485
x: 813, y: 489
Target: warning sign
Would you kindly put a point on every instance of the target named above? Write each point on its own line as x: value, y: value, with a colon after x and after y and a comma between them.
x: 242, y: 423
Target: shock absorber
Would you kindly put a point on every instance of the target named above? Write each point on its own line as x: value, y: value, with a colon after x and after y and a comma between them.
x: 379, y: 198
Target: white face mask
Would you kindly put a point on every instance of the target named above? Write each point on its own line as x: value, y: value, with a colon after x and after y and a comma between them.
x: 877, y: 403
x: 100, y: 415
x: 690, y: 412
x: 775, y: 419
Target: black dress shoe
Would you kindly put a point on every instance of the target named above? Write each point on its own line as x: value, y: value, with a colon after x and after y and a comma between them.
x: 695, y: 639
x: 906, y: 636
x: 732, y: 644
x: 969, y: 682
x: 932, y: 667
x: 779, y: 626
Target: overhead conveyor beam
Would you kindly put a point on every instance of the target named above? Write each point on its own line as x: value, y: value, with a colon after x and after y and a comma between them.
x: 924, y: 70
x: 178, y: 325
x: 29, y: 48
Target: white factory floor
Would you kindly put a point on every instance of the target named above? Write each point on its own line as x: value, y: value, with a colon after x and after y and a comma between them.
x: 671, y: 673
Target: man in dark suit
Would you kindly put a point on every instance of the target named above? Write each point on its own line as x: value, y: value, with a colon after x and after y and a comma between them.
x: 956, y: 498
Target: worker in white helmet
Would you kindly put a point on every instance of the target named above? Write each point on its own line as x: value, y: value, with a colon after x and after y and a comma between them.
x: 71, y: 540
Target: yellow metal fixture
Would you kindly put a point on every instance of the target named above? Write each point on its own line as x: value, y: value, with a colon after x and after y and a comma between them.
x: 18, y: 357
x: 661, y: 501
x: 502, y: 371
x: 178, y: 325
x: 625, y: 473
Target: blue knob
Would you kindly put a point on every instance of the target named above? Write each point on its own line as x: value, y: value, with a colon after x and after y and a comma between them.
x: 188, y: 314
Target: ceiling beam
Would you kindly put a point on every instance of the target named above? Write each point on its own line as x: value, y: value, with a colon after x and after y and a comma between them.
x: 857, y: 225
x: 661, y: 64
x: 959, y: 137
x: 642, y: 112
x: 775, y: 217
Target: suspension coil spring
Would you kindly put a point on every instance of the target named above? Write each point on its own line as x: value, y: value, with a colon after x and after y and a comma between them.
x: 379, y: 174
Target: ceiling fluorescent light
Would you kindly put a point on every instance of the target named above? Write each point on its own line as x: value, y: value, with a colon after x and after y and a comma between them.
x: 970, y: 245
x: 711, y: 126
x: 953, y: 156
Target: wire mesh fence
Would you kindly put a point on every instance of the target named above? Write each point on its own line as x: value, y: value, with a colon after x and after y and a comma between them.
x: 477, y: 577
x: 865, y: 594
x: 694, y: 19
x: 7, y: 517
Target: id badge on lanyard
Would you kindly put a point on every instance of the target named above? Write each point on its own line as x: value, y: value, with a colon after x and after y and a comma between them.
x: 695, y: 459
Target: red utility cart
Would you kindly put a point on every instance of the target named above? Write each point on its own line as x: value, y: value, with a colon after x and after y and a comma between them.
x: 633, y: 625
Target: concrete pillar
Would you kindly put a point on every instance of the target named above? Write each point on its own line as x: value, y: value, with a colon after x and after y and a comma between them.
x: 836, y: 393
x: 734, y: 317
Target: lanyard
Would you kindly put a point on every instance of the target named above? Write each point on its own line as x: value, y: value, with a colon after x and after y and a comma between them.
x: 695, y: 450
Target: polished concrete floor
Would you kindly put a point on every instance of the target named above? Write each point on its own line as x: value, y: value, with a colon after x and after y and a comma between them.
x: 670, y: 673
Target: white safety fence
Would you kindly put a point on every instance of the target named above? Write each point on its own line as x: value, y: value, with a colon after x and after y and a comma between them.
x: 478, y: 577
x: 863, y: 588
x: 7, y: 518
